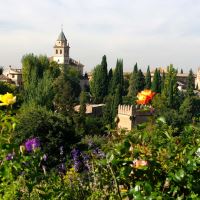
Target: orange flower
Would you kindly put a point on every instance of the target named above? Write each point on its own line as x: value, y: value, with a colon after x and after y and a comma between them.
x: 145, y: 96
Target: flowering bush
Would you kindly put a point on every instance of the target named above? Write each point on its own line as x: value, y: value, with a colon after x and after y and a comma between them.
x: 151, y: 163
x: 32, y: 144
x: 144, y: 97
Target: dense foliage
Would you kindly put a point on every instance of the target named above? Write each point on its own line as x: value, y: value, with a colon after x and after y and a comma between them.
x: 49, y: 151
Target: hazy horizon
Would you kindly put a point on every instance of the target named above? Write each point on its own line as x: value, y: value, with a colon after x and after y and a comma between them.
x: 155, y: 33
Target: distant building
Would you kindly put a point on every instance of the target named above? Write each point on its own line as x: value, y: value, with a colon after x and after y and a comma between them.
x: 181, y: 77
x: 197, y: 79
x: 14, y: 74
x: 95, y: 110
x: 4, y: 78
x: 61, y: 53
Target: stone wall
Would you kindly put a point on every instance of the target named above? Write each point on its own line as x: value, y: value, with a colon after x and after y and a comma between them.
x: 129, y: 116
x: 125, y: 113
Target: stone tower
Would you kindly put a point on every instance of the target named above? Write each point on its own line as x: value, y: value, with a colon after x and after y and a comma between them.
x: 61, y: 50
x: 129, y: 116
x: 125, y: 113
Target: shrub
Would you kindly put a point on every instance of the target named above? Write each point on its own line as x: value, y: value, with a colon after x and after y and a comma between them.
x: 53, y: 130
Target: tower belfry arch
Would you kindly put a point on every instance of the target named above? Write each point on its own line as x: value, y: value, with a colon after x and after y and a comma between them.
x: 61, y: 49
x: 61, y: 53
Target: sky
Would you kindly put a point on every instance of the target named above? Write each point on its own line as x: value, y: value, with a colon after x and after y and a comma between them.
x: 149, y: 32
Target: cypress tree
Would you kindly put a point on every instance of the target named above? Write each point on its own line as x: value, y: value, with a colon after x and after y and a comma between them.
x: 133, y: 83
x: 118, y: 77
x: 148, y: 79
x: 110, y: 75
x: 170, y: 90
x: 117, y: 100
x: 104, y: 76
x: 162, y: 81
x: 155, y: 84
x: 141, y: 80
x: 96, y: 85
x: 107, y: 111
x: 159, y: 82
x: 190, y: 83
x: 99, y: 83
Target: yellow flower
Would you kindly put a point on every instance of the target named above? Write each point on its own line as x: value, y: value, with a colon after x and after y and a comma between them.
x: 7, y: 99
x: 123, y: 190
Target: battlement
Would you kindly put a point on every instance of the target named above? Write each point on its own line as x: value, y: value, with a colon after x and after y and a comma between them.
x: 125, y: 110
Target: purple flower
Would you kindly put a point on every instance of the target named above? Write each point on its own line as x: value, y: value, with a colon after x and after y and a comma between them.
x: 32, y: 144
x: 76, y: 156
x: 86, y: 161
x: 99, y: 153
x: 10, y: 156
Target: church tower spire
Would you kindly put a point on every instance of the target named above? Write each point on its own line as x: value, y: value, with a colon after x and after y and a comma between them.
x: 61, y: 49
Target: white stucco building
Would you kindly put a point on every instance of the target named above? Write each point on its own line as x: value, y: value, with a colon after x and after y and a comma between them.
x: 61, y: 53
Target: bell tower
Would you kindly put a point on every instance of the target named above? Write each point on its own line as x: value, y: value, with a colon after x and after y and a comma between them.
x: 61, y: 49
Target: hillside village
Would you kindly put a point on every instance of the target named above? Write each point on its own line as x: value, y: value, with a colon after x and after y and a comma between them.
x: 107, y: 134
x: 62, y: 56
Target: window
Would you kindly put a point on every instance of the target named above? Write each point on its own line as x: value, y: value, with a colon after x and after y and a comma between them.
x: 13, y: 76
x: 60, y: 51
x: 56, y: 51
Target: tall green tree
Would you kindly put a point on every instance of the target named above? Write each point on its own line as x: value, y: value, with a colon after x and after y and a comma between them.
x: 107, y: 111
x: 190, y: 83
x: 38, y: 77
x: 156, y: 84
x: 110, y: 75
x: 148, y: 79
x: 67, y: 90
x: 110, y: 79
x: 133, y: 83
x: 117, y: 100
x: 162, y: 80
x: 33, y: 68
x: 96, y: 85
x: 170, y: 90
x: 99, y: 82
x: 141, y: 80
x: 118, y: 78
x: 104, y: 74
